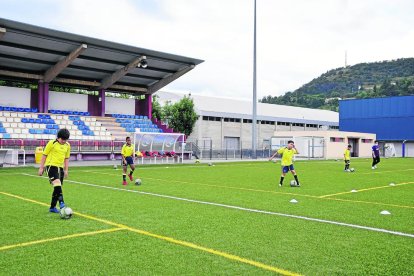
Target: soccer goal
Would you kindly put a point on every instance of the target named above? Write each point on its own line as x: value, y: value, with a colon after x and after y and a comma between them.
x: 308, y: 146
x: 10, y: 157
x: 160, y: 147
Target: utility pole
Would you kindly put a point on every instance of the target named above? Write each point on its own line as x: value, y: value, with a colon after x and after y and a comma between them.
x: 254, y: 121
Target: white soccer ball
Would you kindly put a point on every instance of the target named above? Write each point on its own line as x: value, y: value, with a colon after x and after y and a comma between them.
x: 66, y: 213
x: 352, y: 170
x: 210, y: 164
x: 115, y: 167
x: 138, y: 181
x: 293, y: 183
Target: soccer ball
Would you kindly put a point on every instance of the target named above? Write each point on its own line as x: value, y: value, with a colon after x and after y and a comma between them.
x: 115, y: 167
x: 197, y: 161
x: 210, y: 164
x: 138, y: 181
x: 66, y: 213
x: 293, y: 183
x: 352, y: 170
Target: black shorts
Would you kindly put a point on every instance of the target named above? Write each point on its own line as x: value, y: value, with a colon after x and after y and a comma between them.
x: 129, y: 161
x: 55, y: 173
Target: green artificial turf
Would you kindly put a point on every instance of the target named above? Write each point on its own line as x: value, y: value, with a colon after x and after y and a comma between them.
x: 292, y: 244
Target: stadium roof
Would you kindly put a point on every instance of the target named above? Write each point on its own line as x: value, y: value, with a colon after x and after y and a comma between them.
x: 34, y: 53
x: 234, y: 108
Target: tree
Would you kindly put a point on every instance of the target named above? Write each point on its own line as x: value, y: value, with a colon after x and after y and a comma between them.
x: 180, y: 116
x: 156, y: 108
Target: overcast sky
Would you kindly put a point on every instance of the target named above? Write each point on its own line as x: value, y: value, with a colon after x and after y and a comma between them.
x: 297, y: 40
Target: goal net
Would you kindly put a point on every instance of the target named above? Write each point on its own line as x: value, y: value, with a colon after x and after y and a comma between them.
x: 169, y: 146
x: 307, y: 146
x: 10, y: 157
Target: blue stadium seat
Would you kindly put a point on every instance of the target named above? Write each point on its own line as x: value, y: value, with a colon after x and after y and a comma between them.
x: 25, y: 120
x: 6, y: 136
x: 2, y: 130
x: 26, y: 110
x: 1, y: 108
x: 20, y: 109
x: 34, y: 110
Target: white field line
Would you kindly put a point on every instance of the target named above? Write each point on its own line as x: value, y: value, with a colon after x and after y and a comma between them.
x: 243, y: 209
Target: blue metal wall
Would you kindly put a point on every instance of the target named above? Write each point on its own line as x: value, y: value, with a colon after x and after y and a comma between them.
x: 390, y: 118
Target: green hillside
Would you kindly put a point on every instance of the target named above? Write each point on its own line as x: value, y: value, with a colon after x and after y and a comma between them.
x: 364, y: 80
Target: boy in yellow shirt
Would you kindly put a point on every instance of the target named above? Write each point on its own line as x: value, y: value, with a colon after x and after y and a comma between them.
x: 127, y: 152
x: 347, y: 158
x: 56, y: 158
x: 287, y: 161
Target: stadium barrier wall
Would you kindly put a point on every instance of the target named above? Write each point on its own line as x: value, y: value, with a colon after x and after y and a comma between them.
x: 21, y: 96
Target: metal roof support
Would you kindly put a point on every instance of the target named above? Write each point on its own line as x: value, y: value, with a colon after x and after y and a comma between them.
x: 2, y: 32
x: 110, y: 80
x: 102, y: 102
x: 55, y: 70
x: 158, y: 85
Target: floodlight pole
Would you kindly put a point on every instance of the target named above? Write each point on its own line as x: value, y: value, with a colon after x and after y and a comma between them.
x: 254, y: 120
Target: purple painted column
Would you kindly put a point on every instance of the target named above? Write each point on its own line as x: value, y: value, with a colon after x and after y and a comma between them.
x: 148, y: 106
x: 40, y: 96
x: 102, y: 100
x: 45, y: 97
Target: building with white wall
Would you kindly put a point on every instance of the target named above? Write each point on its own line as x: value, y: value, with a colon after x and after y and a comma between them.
x: 226, y: 123
x: 326, y: 144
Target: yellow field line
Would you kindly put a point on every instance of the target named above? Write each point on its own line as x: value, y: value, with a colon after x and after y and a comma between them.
x: 168, y: 239
x: 369, y: 202
x: 367, y: 189
x: 375, y: 172
x: 6, y: 247
x: 273, y: 192
x: 214, y: 185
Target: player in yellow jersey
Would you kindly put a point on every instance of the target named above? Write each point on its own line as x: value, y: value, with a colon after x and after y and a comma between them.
x: 127, y: 159
x: 287, y: 154
x: 56, y: 158
x: 347, y: 158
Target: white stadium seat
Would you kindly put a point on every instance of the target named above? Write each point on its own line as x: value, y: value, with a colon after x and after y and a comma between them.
x: 6, y: 114
x: 14, y: 136
x: 25, y: 131
x: 28, y: 115
x: 10, y: 120
x: 20, y: 115
x: 17, y: 130
x: 21, y: 125
x: 13, y: 125
x: 6, y: 124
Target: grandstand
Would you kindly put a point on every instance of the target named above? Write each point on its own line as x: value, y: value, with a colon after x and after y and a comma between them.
x: 95, y: 72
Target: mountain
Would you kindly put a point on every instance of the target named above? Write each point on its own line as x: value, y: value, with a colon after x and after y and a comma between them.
x: 363, y: 80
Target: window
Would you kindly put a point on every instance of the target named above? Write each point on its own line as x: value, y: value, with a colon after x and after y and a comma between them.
x: 334, y: 127
x: 211, y: 118
x: 298, y: 124
x: 283, y: 123
x: 312, y: 125
x: 247, y: 121
x: 337, y: 139
x: 367, y: 141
